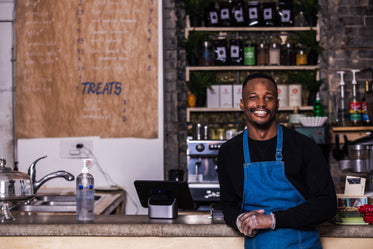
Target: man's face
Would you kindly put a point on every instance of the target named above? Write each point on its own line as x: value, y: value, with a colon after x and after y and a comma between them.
x: 259, y: 102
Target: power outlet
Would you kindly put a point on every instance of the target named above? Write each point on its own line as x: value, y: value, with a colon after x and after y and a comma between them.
x: 69, y: 150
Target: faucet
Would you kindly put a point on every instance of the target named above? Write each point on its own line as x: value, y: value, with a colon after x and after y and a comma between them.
x: 37, y: 184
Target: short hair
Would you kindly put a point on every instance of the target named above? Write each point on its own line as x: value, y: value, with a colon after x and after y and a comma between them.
x: 259, y: 75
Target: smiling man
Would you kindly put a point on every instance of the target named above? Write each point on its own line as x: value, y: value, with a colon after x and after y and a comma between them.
x: 275, y: 184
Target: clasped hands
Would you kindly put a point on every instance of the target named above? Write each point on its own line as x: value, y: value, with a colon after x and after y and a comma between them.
x: 250, y: 222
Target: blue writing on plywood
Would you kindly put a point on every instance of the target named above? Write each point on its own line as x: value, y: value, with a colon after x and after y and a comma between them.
x: 102, y: 88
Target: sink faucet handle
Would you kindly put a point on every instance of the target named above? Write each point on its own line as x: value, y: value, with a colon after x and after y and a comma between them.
x: 32, y: 171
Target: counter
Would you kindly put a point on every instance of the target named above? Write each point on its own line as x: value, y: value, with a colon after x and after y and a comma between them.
x: 140, y: 230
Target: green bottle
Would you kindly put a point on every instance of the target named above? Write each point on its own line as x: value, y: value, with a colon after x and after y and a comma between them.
x: 318, y: 110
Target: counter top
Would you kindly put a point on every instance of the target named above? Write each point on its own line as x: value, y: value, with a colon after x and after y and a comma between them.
x: 193, y: 225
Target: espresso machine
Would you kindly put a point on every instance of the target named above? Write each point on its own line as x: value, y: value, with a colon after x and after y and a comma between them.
x: 202, y: 172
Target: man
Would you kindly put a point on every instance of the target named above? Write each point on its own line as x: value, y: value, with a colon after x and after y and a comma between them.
x: 275, y: 184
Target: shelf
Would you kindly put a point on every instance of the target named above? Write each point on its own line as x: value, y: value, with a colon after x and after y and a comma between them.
x: 188, y: 69
x: 248, y: 29
x: 233, y: 109
x: 353, y: 128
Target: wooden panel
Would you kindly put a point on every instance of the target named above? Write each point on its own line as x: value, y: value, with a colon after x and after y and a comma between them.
x: 87, y: 68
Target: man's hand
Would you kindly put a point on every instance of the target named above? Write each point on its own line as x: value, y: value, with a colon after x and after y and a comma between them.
x: 253, y: 220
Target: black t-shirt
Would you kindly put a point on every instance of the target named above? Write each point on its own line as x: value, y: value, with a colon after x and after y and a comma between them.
x: 305, y: 167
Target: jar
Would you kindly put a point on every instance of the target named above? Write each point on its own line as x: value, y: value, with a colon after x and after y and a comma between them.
x: 262, y: 54
x: 249, y: 54
x: 301, y: 58
x: 220, y: 50
x: 253, y: 14
x: 207, y: 56
x: 287, y: 55
x: 274, y: 54
x: 235, y: 52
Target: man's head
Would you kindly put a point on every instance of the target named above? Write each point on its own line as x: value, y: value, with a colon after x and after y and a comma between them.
x: 259, y: 100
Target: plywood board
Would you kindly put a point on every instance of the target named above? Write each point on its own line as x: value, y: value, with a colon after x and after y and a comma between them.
x: 86, y: 68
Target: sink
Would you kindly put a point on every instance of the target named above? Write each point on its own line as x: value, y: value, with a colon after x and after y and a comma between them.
x: 52, y: 204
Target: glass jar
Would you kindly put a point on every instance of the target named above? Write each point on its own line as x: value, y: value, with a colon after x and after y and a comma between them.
x: 288, y: 54
x: 274, y: 54
x: 301, y: 58
x: 262, y: 54
x: 207, y: 57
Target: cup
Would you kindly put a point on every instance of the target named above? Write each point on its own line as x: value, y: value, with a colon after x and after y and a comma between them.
x: 220, y: 134
x: 231, y: 133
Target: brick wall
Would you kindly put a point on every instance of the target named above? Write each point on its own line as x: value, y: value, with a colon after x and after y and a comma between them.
x: 346, y: 33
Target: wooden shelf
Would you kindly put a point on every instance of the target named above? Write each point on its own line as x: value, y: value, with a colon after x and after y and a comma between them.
x: 233, y: 109
x: 353, y: 128
x: 243, y: 68
x: 248, y: 29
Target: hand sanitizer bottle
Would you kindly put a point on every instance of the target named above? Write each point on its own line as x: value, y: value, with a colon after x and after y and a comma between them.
x: 85, y: 194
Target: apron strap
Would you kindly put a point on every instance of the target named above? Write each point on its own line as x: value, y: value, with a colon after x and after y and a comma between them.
x: 278, y: 148
x: 279, y: 144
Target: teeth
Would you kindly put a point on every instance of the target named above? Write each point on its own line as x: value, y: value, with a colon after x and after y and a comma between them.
x: 260, y: 112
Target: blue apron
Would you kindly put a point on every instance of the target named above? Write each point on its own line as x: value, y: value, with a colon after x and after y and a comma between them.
x: 266, y: 187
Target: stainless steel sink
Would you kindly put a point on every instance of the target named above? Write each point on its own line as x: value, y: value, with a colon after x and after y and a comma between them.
x: 52, y: 204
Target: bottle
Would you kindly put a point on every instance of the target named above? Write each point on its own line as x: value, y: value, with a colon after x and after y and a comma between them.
x: 355, y: 105
x: 85, y: 194
x: 318, y: 110
x: 287, y: 54
x: 301, y: 57
x: 249, y: 54
x: 364, y: 109
x: 274, y: 54
x: 262, y: 55
x: 207, y: 54
x: 342, y: 111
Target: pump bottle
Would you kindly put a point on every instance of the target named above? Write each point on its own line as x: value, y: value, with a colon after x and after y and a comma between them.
x: 85, y: 194
x: 355, y: 104
x: 342, y: 109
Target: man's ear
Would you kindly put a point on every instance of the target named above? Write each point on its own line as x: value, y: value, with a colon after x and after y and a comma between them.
x: 242, y: 105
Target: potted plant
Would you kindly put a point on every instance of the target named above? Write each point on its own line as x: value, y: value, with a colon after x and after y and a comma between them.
x: 199, y: 83
x: 194, y: 9
x: 192, y: 46
x: 309, y: 83
x: 312, y: 47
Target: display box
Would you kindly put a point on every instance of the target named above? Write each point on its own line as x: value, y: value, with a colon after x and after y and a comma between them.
x: 237, y: 95
x: 226, y: 96
x: 350, y: 202
x: 213, y: 96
